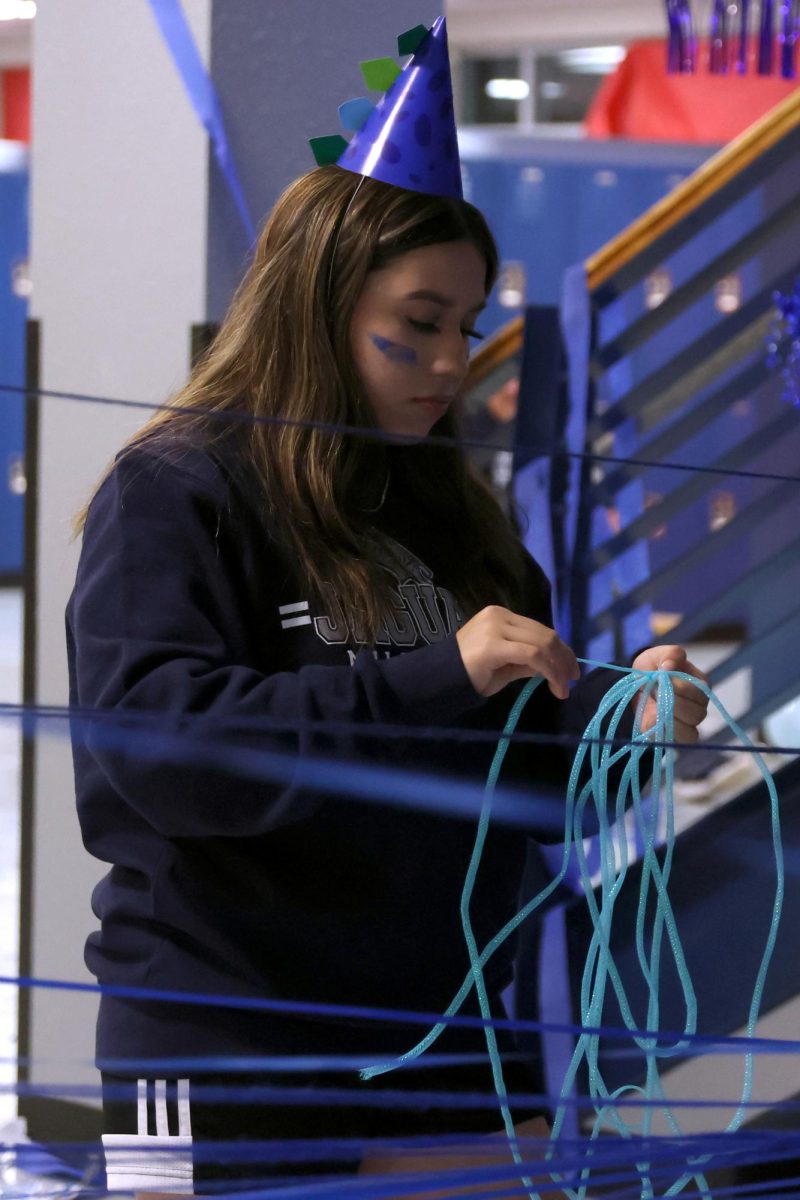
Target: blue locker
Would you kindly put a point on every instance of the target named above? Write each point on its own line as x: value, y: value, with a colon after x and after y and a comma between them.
x: 13, y: 314
x: 551, y: 203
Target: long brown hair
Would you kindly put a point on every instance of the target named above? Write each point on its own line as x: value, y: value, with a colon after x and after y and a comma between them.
x: 283, y: 353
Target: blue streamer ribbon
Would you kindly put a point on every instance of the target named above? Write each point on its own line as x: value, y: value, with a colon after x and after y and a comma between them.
x: 397, y: 439
x: 203, y: 97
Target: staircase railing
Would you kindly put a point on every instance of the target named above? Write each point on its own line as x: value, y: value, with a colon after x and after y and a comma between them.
x: 686, y: 492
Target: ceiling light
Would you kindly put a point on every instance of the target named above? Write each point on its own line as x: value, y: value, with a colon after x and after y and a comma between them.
x: 17, y: 10
x: 507, y: 89
x: 592, y: 60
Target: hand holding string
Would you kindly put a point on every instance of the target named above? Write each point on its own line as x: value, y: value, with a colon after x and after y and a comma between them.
x: 499, y: 646
x: 690, y: 702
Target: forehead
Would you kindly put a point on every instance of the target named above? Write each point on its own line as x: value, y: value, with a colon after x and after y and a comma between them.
x: 456, y: 271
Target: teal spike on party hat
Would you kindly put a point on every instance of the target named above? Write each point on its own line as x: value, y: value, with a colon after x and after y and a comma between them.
x: 409, y: 137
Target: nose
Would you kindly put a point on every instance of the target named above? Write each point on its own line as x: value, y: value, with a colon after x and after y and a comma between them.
x: 452, y: 357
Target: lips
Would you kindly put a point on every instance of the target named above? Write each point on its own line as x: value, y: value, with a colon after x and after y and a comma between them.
x: 433, y: 401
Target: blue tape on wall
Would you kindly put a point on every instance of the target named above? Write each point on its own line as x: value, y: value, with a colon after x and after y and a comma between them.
x: 200, y: 89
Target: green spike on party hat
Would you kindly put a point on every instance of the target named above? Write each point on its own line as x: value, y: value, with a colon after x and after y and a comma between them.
x: 379, y: 73
x: 409, y: 137
x: 328, y: 149
x: 410, y: 41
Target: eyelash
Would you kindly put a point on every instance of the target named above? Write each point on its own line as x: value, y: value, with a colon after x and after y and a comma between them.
x: 429, y: 327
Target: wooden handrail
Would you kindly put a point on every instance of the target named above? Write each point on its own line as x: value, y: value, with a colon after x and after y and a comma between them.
x: 498, y: 349
x: 689, y: 195
x: 684, y: 199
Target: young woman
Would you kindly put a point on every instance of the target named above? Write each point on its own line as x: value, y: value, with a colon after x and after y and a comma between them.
x: 267, y: 581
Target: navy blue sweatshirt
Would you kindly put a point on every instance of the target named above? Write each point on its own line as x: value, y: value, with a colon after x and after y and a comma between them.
x: 189, y: 622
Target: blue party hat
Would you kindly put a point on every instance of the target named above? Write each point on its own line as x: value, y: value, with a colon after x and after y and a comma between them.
x: 408, y: 138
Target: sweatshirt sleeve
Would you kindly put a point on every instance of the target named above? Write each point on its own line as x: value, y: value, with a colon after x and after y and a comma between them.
x: 157, y: 639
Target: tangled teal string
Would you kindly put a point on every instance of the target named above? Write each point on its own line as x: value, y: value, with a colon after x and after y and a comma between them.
x: 633, y: 689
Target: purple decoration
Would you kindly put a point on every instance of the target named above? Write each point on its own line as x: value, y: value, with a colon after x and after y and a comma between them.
x: 410, y: 139
x: 729, y: 19
x: 744, y: 22
x: 787, y: 37
x: 674, y: 44
x: 765, y: 37
x: 783, y: 343
x: 688, y: 42
x: 718, y: 39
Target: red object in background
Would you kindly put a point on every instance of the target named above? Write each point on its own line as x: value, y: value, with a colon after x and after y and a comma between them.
x: 16, y: 104
x: 642, y: 100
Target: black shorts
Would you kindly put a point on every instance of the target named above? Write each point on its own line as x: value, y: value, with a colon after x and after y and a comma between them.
x: 212, y: 1132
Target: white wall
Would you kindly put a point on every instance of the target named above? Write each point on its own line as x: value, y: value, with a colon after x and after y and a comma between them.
x: 499, y: 25
x: 119, y: 201
x: 15, y: 43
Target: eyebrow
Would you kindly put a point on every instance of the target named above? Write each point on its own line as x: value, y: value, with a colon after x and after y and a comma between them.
x: 444, y: 301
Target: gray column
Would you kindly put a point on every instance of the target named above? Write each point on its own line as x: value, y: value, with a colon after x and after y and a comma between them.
x: 282, y: 69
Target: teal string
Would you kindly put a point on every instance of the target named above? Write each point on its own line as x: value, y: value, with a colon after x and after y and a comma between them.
x: 600, y: 965
x: 600, y: 968
x: 476, y: 965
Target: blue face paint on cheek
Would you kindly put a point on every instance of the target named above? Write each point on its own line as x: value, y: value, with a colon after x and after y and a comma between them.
x: 394, y: 351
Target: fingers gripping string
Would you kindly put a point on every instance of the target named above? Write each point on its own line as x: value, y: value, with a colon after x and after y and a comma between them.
x: 655, y: 920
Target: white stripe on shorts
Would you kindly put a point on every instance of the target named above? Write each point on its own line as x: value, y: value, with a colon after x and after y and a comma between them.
x: 160, y: 1162
x: 148, y: 1163
x: 162, y: 1120
x: 184, y: 1112
x: 141, y: 1107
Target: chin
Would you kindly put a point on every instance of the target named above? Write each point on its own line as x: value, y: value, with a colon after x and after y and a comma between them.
x: 412, y: 436
x: 412, y: 430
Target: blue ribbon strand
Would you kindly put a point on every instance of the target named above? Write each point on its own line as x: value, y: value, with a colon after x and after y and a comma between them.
x: 174, y: 27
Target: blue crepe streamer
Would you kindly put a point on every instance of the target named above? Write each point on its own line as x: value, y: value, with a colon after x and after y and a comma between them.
x: 576, y: 325
x: 202, y: 94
